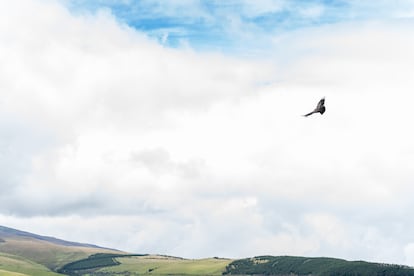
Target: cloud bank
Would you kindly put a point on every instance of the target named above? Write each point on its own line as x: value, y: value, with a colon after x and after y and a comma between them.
x: 193, y: 154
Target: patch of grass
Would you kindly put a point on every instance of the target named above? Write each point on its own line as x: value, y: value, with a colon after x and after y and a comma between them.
x: 10, y: 273
x: 164, y: 265
x: 16, y: 265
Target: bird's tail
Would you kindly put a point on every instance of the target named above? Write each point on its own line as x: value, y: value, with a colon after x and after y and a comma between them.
x: 310, y: 113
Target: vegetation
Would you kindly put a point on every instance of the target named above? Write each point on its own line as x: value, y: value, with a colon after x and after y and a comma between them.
x: 284, y: 265
x: 10, y: 273
x: 23, y: 253
x: 46, y: 253
x: 92, y: 262
x: 164, y: 265
x: 16, y: 265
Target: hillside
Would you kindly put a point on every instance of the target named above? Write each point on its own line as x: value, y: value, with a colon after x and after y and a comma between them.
x: 6, y: 232
x: 105, y: 264
x: 286, y: 265
x: 23, y: 253
x: 50, y: 252
x: 15, y: 265
x: 166, y: 265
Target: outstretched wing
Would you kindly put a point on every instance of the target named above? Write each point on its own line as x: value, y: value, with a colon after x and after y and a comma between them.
x: 320, y: 104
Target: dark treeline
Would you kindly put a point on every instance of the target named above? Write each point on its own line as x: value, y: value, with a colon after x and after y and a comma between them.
x: 285, y: 265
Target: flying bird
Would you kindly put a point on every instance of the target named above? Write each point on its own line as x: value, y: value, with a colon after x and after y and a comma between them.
x: 319, y: 108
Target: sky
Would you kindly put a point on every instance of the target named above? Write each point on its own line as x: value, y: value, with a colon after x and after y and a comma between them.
x: 176, y: 127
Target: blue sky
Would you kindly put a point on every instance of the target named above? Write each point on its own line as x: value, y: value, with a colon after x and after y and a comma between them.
x: 237, y: 25
x: 228, y: 25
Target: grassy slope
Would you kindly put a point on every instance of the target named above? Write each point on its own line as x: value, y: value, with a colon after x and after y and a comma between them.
x: 15, y: 265
x: 161, y: 265
x: 48, y: 254
x: 287, y: 265
x: 10, y: 273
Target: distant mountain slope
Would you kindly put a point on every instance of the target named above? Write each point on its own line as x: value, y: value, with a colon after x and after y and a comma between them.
x: 286, y: 265
x: 51, y: 252
x: 6, y: 232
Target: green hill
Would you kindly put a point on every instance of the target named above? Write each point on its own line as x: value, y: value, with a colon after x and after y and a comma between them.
x: 164, y: 265
x: 286, y: 265
x: 23, y: 253
x: 51, y: 253
x: 105, y: 264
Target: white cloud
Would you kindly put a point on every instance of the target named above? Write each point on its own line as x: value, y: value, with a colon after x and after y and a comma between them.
x: 200, y: 155
x: 409, y: 253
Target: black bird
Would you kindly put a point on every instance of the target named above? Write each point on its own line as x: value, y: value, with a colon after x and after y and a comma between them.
x: 319, y: 108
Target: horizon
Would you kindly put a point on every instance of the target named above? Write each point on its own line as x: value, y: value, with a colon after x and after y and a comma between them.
x: 177, y: 128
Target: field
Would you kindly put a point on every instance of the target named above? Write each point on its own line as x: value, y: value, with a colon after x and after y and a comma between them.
x: 15, y: 265
x: 165, y: 265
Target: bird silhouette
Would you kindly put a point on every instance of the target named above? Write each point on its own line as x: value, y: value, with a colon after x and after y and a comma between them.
x: 319, y: 108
